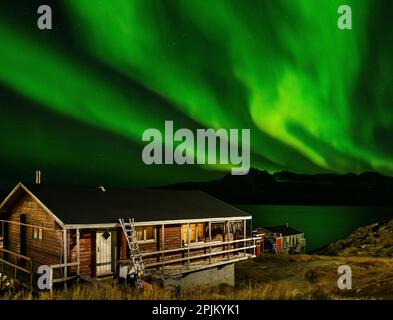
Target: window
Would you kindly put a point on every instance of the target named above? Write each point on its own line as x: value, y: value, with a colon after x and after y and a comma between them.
x: 200, y: 233
x: 146, y: 234
x: 37, y: 233
x: 195, y: 233
x: 217, y: 231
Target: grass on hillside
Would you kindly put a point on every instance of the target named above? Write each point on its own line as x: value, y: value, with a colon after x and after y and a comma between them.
x: 277, y: 290
x: 268, y: 277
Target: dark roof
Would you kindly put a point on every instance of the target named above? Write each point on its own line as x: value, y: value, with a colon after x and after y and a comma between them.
x: 284, y: 230
x: 88, y: 205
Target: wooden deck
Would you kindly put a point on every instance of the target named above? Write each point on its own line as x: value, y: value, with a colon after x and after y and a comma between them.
x: 180, y: 269
x: 197, y: 257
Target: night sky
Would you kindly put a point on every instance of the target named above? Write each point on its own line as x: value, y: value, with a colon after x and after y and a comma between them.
x: 75, y: 100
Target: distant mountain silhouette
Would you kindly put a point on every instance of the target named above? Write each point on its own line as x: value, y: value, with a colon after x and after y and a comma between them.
x: 287, y: 188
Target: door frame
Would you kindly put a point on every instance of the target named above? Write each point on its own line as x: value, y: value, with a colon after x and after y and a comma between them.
x: 111, y: 250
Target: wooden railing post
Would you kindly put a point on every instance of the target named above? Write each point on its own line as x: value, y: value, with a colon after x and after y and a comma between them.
x: 188, y: 244
x: 229, y: 246
x: 163, y: 247
x: 245, y: 235
x: 15, y: 264
x: 2, y: 262
x: 210, y: 242
x: 78, y: 268
x: 254, y: 243
x: 65, y: 244
x: 14, y: 267
x: 31, y: 274
x: 247, y: 245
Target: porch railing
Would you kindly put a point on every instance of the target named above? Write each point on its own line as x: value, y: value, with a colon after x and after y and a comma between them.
x: 62, y: 266
x: 17, y: 262
x: 187, y: 252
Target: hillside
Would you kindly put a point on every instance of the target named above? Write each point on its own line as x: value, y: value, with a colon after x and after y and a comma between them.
x: 374, y: 240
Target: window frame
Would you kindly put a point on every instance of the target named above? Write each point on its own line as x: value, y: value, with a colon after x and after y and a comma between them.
x: 144, y: 234
x: 188, y: 233
x: 37, y: 233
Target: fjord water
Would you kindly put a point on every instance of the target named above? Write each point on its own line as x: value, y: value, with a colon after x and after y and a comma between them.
x: 321, y: 224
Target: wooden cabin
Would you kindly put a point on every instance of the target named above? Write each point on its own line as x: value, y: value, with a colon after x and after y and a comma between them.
x: 76, y: 231
x: 281, y: 239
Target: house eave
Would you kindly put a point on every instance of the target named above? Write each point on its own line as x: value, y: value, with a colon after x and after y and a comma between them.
x: 156, y: 222
x: 45, y: 208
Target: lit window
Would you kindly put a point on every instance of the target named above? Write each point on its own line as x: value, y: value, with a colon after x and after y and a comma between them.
x: 37, y: 233
x: 195, y: 233
x: 148, y: 233
x: 200, y: 233
x: 139, y: 233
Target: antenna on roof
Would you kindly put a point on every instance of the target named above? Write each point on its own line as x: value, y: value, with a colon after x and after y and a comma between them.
x: 38, y: 177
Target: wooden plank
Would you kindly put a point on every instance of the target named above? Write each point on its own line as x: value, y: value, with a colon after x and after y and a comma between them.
x: 15, y: 254
x: 194, y: 257
x: 163, y: 245
x: 31, y: 275
x: 163, y: 237
x: 150, y: 223
x: 63, y: 265
x: 90, y: 279
x: 15, y: 266
x: 245, y: 232
x: 170, y: 261
x: 78, y: 251
x: 210, y: 240
x: 63, y: 279
x: 2, y: 265
x: 2, y: 231
x: 65, y: 244
x: 46, y: 251
x: 188, y: 242
x: 29, y: 225
x: 216, y: 264
x: 197, y: 246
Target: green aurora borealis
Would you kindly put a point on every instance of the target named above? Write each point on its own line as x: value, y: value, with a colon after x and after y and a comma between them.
x: 75, y: 100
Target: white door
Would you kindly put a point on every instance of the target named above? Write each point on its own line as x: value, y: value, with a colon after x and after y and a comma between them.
x: 103, y: 252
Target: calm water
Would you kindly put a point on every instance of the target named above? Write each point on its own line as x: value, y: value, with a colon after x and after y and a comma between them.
x: 321, y: 225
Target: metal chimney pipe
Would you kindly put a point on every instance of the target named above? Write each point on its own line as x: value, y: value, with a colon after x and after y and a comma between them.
x: 38, y: 177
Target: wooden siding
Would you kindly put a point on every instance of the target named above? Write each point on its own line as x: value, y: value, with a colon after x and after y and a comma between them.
x: 87, y: 252
x: 45, y: 251
x: 49, y: 249
x: 172, y: 240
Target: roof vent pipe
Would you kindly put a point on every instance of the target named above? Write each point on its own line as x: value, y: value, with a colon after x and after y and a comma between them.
x: 38, y: 177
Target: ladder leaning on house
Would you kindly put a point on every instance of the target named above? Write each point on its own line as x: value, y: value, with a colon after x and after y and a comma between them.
x: 129, y: 231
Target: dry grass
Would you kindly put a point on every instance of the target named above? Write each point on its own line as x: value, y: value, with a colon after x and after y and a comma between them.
x: 272, y: 291
x: 268, y: 277
x: 316, y: 276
